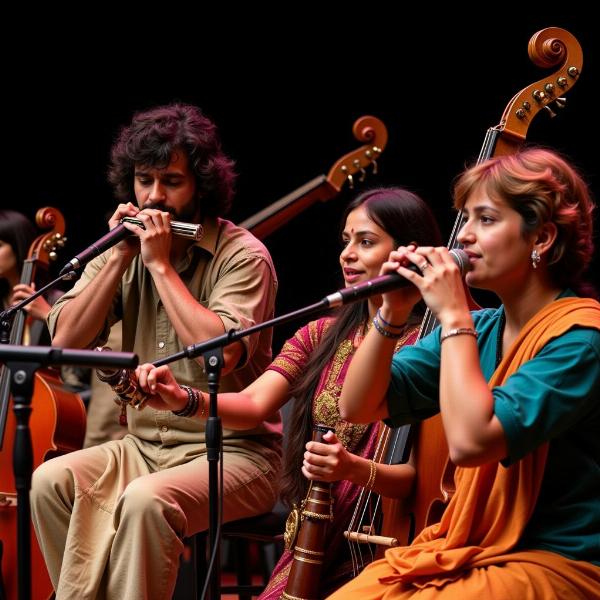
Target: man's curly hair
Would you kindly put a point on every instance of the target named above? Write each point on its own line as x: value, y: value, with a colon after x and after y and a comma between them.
x: 152, y: 138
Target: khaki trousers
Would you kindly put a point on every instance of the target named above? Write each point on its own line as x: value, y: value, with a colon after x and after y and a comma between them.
x: 110, y: 519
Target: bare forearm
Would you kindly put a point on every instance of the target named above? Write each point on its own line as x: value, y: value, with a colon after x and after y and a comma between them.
x: 391, y: 481
x: 366, y: 382
x: 238, y: 411
x: 467, y: 405
x: 242, y: 410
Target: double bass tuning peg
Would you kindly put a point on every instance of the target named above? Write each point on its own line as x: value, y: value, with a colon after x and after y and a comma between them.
x: 360, y: 169
x: 559, y: 104
x: 349, y: 177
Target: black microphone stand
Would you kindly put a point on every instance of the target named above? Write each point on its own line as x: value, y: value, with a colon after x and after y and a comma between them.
x: 23, y: 362
x: 212, y: 354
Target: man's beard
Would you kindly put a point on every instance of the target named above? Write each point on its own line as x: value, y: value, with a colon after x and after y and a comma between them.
x: 186, y: 214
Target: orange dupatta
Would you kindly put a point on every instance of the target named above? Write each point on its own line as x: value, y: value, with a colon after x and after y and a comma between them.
x: 492, y: 504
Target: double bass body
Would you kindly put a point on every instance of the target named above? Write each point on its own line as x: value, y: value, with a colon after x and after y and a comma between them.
x: 57, y: 426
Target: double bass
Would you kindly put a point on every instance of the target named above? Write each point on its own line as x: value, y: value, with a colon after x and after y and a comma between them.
x: 434, y: 486
x: 57, y: 422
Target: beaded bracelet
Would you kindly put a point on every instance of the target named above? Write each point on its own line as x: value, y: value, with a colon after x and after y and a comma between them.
x: 383, y: 331
x: 190, y: 409
x: 387, y: 323
x: 372, y: 474
x: 459, y: 331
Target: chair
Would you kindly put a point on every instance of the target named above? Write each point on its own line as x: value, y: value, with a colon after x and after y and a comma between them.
x: 263, y: 530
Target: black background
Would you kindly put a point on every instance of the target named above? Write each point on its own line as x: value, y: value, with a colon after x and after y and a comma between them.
x: 284, y: 98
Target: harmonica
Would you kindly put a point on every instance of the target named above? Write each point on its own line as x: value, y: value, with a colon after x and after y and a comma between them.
x: 192, y: 231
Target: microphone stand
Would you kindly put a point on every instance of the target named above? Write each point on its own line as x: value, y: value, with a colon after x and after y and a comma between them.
x: 22, y: 363
x: 212, y: 353
x: 6, y: 322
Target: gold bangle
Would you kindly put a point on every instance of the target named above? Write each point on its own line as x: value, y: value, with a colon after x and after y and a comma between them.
x: 372, y: 474
x: 459, y: 331
x: 203, y: 404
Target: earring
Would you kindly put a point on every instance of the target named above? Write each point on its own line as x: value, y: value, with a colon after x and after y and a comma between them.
x: 535, y: 258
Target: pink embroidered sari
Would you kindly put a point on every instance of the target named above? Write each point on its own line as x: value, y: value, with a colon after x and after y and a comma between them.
x: 358, y: 439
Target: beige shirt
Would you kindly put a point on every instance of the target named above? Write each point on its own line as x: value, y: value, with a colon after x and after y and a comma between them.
x: 231, y: 273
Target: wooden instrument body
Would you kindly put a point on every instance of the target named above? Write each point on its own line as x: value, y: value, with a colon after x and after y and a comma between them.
x: 57, y: 425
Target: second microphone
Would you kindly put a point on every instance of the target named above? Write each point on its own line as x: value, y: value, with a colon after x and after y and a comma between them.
x: 388, y: 282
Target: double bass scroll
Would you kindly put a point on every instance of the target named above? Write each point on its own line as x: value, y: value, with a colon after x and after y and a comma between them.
x: 548, y: 48
x: 357, y: 163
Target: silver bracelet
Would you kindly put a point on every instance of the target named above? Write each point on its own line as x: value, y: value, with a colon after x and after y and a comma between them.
x: 459, y: 331
x: 383, y: 331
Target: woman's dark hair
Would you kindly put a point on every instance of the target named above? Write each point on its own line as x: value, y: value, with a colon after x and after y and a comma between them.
x: 405, y: 217
x: 152, y: 138
x: 18, y: 232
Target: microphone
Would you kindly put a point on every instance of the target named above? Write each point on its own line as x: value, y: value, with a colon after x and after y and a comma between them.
x: 388, y: 282
x: 113, y: 237
x: 108, y: 240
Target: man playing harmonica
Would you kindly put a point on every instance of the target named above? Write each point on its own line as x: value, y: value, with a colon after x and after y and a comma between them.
x: 110, y: 519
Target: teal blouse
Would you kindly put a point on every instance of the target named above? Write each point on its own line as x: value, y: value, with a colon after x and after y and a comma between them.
x: 553, y: 397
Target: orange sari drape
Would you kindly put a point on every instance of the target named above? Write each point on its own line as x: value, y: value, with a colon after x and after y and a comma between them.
x: 468, y: 554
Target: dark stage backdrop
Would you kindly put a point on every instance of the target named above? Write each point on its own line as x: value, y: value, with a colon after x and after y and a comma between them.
x: 285, y: 103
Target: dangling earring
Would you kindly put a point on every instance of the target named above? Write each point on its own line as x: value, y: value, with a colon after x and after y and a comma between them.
x: 535, y: 258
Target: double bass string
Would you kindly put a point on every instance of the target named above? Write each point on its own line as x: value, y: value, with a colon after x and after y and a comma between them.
x: 362, y: 507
